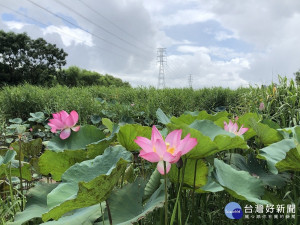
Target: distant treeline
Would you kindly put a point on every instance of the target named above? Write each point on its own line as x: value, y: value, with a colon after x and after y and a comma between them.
x: 74, y: 77
x: 37, y: 62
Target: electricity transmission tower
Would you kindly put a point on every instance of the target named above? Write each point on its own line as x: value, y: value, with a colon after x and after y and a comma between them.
x: 190, y: 81
x: 161, y: 59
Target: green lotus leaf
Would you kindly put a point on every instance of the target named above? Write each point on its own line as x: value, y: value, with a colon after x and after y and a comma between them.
x: 203, y: 115
x: 291, y: 161
x: 211, y: 185
x: 183, y: 119
x: 38, y: 117
x: 256, y: 168
x: 208, y: 128
x: 240, y: 184
x: 205, y: 146
x: 162, y: 117
x: 61, y: 159
x: 84, y: 216
x: 189, y: 118
x: 87, y: 183
x: 12, y: 167
x: 95, y: 119
x: 36, y: 203
x: 126, y: 204
x: 211, y: 139
x: 189, y: 174
x: 220, y: 122
x: 9, y: 156
x: 245, y: 120
x: 153, y: 184
x: 225, y: 142
x: 77, y: 140
x: 108, y: 123
x: 128, y: 133
x: 56, y: 163
x: 266, y: 134
x: 277, y: 152
x: 30, y: 149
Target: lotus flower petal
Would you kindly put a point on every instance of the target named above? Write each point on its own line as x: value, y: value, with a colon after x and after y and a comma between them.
x: 168, y: 157
x: 69, y: 122
x: 74, y: 115
x: 160, y: 147
x: 155, y: 135
x: 187, y: 144
x: 149, y: 156
x: 63, y: 121
x: 173, y: 138
x: 233, y: 128
x: 65, y: 133
x: 144, y: 143
x: 242, y: 130
x: 170, y: 150
x: 75, y: 128
x: 57, y: 123
x: 160, y: 167
x: 63, y: 115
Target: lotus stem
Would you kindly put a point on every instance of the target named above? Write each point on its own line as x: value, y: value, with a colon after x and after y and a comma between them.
x: 108, y: 212
x: 166, y: 194
x: 20, y: 169
x: 194, y: 188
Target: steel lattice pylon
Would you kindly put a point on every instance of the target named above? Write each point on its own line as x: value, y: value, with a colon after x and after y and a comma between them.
x: 161, y: 59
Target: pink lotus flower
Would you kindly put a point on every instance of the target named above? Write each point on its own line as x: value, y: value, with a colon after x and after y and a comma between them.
x: 64, y: 122
x: 233, y: 128
x: 261, y: 106
x: 170, y: 150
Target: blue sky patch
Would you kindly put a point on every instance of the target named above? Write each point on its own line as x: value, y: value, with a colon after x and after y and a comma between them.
x: 204, y: 34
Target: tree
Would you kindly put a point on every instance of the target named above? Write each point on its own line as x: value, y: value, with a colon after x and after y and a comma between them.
x: 74, y: 76
x: 297, y: 75
x: 24, y: 59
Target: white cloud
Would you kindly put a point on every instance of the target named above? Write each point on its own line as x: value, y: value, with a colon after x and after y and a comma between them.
x: 271, y: 27
x: 69, y: 35
x: 185, y: 17
x: 221, y: 36
x: 192, y: 49
x: 14, y: 25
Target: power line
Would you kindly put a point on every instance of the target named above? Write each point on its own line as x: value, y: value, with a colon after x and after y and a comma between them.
x: 59, y: 31
x: 175, y: 66
x: 54, y: 14
x: 112, y: 23
x: 97, y: 25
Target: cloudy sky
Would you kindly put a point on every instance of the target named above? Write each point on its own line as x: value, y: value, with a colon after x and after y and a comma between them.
x: 228, y: 43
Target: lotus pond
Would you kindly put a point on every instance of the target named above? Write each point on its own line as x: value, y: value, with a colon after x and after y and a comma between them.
x: 183, y: 170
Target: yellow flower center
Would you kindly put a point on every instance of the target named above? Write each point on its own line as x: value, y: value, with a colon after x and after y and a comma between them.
x: 170, y: 149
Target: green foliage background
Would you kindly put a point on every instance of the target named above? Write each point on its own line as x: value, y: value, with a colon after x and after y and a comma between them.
x: 112, y: 102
